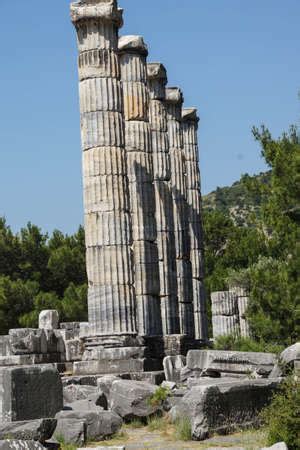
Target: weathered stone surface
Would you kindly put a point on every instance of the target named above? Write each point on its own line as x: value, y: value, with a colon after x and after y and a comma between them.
x: 27, y: 341
x: 290, y: 354
x: 49, y: 319
x: 226, y: 325
x: 33, y: 430
x: 24, y: 393
x: 278, y: 446
x: 223, y: 408
x: 72, y: 431
x: 74, y: 392
x: 230, y: 361
x: 98, y: 425
x: 130, y: 399
x: 87, y: 405
x: 20, y: 445
x: 74, y: 350
x: 287, y: 361
x: 224, y: 303
x: 173, y: 366
x: 110, y: 366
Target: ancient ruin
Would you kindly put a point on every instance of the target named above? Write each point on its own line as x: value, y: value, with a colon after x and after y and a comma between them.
x: 142, y: 199
x: 147, y: 325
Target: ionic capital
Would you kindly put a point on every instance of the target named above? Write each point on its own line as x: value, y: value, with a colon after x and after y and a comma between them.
x: 133, y: 44
x: 97, y: 10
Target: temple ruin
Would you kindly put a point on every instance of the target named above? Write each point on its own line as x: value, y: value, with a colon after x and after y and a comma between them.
x: 142, y: 200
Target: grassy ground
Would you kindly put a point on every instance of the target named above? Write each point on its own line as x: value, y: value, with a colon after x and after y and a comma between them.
x: 158, y: 434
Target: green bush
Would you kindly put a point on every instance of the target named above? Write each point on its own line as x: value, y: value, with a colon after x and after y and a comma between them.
x: 241, y: 344
x: 282, y: 417
x: 159, y: 396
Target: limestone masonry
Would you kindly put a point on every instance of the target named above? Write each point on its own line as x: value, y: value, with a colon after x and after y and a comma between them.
x: 142, y: 199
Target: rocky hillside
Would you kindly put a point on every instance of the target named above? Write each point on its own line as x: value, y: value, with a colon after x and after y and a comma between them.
x: 236, y: 200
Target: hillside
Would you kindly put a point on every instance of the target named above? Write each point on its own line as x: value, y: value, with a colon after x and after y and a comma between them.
x: 236, y: 200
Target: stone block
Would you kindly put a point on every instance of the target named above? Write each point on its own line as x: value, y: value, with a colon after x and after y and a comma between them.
x: 71, y: 431
x: 225, y: 407
x: 20, y: 445
x: 5, y: 346
x: 109, y: 366
x: 107, y: 228
x: 230, y: 361
x: 102, y: 129
x: 24, y: 393
x: 74, y: 350
x: 104, y: 161
x: 74, y: 392
x: 278, y: 446
x: 105, y: 194
x: 136, y: 101
x: 225, y: 325
x: 27, y: 341
x: 115, y: 263
x: 139, y: 167
x: 34, y: 430
x: 98, y: 425
x: 138, y: 136
x: 130, y: 399
x: 107, y: 95
x: 224, y: 303
x: 114, y: 354
x: 173, y: 366
x: 97, y: 63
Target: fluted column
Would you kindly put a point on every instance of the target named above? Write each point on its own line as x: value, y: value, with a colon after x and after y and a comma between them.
x: 108, y: 231
x: 193, y: 185
x: 174, y: 100
x: 157, y: 80
x: 133, y: 53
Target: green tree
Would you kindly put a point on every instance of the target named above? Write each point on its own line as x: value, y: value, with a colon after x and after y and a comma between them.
x: 16, y: 298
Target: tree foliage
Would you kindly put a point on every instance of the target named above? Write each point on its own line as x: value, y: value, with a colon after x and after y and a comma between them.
x: 38, y: 272
x: 263, y: 256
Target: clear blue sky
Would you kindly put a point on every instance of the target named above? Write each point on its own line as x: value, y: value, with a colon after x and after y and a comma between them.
x: 237, y: 61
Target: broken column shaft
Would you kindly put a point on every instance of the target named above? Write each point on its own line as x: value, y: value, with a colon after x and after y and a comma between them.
x: 174, y: 100
x: 106, y: 196
x: 133, y: 53
x: 157, y: 80
x: 193, y: 185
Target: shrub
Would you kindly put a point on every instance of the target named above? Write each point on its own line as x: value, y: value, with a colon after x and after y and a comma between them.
x: 242, y: 344
x: 159, y: 396
x: 282, y: 416
x: 183, y: 429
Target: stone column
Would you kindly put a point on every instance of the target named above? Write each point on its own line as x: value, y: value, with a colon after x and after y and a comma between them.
x: 193, y: 185
x: 242, y: 295
x: 157, y: 80
x: 174, y: 101
x: 225, y: 314
x: 133, y: 53
x: 106, y: 196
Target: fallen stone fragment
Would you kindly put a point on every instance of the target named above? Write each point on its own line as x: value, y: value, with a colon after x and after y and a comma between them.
x: 29, y: 392
x: 49, y: 319
x: 287, y: 360
x: 278, y: 446
x: 83, y: 405
x: 131, y: 399
x: 20, y: 445
x: 33, y: 430
x: 224, y: 408
x: 206, y: 361
x: 74, y: 392
x: 169, y: 385
x: 173, y: 366
x: 98, y: 425
x: 71, y: 431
